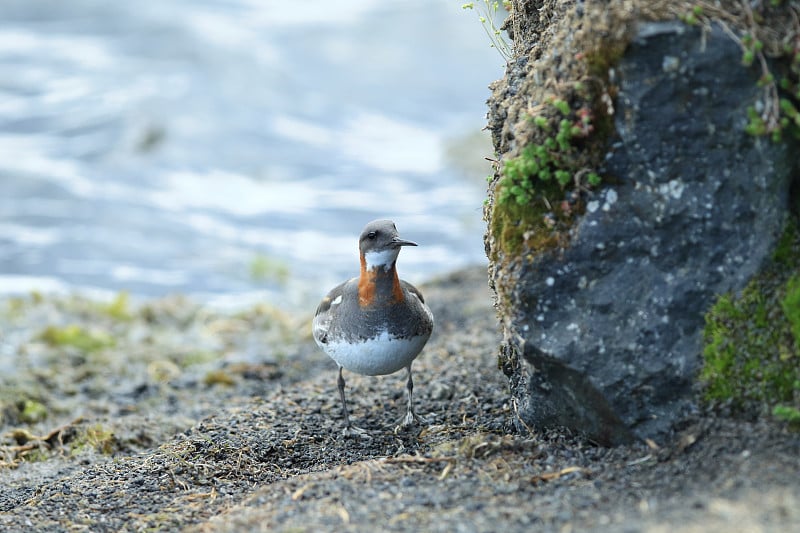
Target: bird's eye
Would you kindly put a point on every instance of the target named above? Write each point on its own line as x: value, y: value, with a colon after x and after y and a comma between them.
x: 371, y: 235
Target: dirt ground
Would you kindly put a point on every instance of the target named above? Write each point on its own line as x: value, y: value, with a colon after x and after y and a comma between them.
x: 255, y: 444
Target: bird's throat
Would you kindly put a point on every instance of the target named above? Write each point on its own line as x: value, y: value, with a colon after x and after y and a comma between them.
x: 378, y: 284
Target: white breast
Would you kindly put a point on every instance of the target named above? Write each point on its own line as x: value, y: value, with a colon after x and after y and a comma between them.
x: 379, y: 355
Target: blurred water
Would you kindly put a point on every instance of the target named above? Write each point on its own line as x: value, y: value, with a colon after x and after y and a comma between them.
x: 234, y: 149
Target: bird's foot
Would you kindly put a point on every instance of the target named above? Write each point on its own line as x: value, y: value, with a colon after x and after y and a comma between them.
x: 410, y: 419
x: 355, y: 431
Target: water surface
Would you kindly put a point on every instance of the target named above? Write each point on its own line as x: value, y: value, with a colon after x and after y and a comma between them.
x: 233, y: 150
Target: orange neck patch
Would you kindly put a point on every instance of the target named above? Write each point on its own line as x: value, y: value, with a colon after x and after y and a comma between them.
x: 370, y: 280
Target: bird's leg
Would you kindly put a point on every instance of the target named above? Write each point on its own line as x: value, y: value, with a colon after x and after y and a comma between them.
x: 411, y: 416
x: 349, y: 429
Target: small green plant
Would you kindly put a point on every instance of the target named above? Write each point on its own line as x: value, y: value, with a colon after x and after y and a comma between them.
x: 36, y: 455
x: 76, y: 337
x: 487, y: 14
x: 777, y: 113
x: 95, y: 437
x: 787, y: 413
x: 756, y: 126
x: 752, y: 47
x: 551, y: 161
x: 790, y: 114
x: 537, y: 193
x: 119, y: 307
x: 264, y: 268
x: 693, y: 16
x: 32, y: 412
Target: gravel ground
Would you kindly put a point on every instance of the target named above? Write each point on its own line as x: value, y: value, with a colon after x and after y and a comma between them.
x: 196, y: 420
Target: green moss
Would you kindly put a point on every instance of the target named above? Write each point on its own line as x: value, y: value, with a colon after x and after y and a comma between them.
x: 599, y: 59
x: 218, y: 377
x: 118, y: 308
x: 784, y: 252
x: 549, y: 165
x: 36, y: 455
x: 752, y: 341
x: 791, y: 308
x: 32, y: 412
x: 198, y: 357
x: 95, y: 437
x: 788, y: 414
x: 264, y: 269
x: 534, y: 204
x: 76, y: 337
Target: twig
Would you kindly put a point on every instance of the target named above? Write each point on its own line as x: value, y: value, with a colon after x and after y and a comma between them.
x: 420, y: 460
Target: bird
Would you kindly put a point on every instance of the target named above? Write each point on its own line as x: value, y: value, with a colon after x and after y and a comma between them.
x: 376, y: 323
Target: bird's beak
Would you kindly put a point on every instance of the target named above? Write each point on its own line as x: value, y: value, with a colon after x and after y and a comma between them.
x: 398, y: 242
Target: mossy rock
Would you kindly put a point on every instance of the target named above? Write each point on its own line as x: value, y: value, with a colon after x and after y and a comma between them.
x: 602, y: 291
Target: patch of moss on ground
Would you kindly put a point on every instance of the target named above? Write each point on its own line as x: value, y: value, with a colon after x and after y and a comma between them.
x: 265, y: 269
x: 118, y: 308
x: 77, y: 337
x: 752, y: 340
x: 218, y: 377
x: 32, y: 412
x: 95, y: 437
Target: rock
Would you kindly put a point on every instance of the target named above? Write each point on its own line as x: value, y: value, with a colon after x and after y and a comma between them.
x: 611, y: 326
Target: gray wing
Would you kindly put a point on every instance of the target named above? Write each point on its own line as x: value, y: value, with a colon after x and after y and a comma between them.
x: 322, y: 317
x: 415, y: 293
x: 413, y: 290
